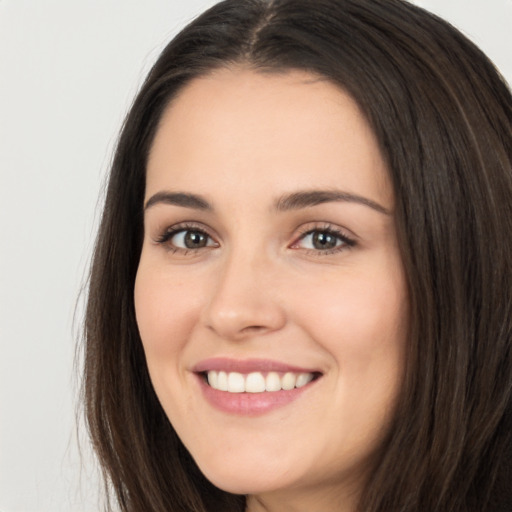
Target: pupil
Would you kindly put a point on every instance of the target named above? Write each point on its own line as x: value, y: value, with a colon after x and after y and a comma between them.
x: 324, y: 241
x: 195, y: 239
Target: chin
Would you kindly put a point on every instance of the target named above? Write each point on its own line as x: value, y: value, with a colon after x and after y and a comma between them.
x: 247, y: 483
x: 239, y: 478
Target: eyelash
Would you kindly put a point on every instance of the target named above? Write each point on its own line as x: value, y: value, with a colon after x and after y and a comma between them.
x: 169, y: 233
x: 327, y: 229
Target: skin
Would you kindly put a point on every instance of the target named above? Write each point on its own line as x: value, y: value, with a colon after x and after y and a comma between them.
x: 260, y: 288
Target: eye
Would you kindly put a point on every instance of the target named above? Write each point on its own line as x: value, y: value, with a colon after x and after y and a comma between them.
x: 324, y: 240
x: 321, y: 240
x: 186, y: 239
x: 191, y: 239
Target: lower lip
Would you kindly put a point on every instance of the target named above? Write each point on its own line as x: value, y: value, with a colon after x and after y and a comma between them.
x: 250, y: 404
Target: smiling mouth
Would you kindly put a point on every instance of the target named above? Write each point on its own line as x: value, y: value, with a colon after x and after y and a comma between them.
x: 257, y: 382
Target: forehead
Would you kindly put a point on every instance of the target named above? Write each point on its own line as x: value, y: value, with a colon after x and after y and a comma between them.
x: 238, y: 127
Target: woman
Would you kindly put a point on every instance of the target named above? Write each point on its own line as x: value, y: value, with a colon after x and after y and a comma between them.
x: 300, y: 297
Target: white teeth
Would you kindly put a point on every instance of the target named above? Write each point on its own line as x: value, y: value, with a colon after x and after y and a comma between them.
x: 272, y: 382
x: 213, y: 379
x: 222, y: 381
x: 236, y: 382
x: 303, y: 379
x: 288, y: 381
x: 256, y: 382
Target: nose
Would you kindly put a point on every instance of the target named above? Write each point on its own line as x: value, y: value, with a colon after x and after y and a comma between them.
x: 244, y: 300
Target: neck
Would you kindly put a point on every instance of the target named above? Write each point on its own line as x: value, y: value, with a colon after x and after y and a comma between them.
x: 318, y: 500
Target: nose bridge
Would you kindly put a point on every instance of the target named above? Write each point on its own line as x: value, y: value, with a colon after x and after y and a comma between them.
x: 243, y: 300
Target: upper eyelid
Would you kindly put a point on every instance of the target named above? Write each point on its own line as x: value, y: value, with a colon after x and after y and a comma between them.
x: 344, y: 238
x: 310, y: 227
x: 163, y: 235
x: 187, y: 226
x: 297, y: 233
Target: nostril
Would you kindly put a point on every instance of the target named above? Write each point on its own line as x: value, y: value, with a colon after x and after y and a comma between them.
x: 235, y: 317
x: 253, y: 328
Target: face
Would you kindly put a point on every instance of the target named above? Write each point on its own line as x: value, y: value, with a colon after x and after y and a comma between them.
x: 270, y: 295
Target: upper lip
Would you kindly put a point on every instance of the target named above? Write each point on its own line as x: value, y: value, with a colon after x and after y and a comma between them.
x: 247, y: 366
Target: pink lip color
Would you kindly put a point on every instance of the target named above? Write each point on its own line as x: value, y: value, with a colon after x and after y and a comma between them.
x: 247, y: 366
x: 248, y: 404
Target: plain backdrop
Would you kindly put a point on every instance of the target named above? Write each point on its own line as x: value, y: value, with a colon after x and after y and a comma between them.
x: 68, y: 72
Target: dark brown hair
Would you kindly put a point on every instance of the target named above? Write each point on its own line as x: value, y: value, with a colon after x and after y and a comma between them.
x: 442, y: 115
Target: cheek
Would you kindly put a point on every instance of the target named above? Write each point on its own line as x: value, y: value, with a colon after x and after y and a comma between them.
x: 166, y: 312
x: 364, y: 312
x: 362, y: 323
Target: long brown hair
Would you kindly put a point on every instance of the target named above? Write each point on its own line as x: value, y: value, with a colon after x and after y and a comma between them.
x: 443, y: 116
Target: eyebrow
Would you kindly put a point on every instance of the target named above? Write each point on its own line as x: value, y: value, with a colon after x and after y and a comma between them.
x: 307, y: 198
x: 183, y: 199
x: 293, y: 201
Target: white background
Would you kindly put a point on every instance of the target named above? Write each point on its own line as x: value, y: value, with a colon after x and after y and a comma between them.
x: 68, y: 72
